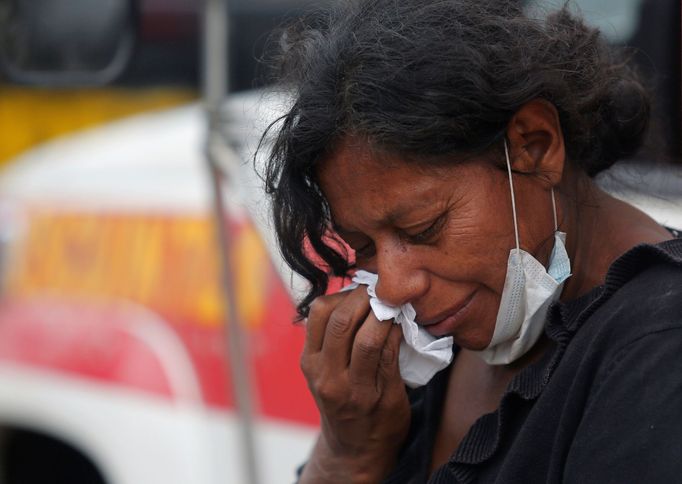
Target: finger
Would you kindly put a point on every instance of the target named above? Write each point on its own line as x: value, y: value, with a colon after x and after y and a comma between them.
x: 316, y: 322
x: 389, y: 368
x: 367, y: 349
x: 342, y: 325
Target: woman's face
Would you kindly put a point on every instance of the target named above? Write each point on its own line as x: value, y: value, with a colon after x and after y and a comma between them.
x: 438, y: 237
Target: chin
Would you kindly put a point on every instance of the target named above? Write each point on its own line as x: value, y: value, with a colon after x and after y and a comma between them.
x: 473, y: 342
x: 476, y: 331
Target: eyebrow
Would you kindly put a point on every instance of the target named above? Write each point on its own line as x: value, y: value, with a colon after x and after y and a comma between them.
x: 392, y: 217
x: 401, y: 211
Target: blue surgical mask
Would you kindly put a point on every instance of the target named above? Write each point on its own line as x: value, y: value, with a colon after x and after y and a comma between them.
x: 529, y: 290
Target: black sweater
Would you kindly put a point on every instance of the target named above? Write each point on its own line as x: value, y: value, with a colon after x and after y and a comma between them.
x: 604, y: 405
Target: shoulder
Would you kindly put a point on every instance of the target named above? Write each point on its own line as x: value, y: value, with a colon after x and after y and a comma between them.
x: 628, y: 354
x: 642, y: 295
x: 639, y: 305
x: 652, y: 299
x: 630, y: 422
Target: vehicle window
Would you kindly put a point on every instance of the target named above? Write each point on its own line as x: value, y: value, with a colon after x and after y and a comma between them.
x: 617, y: 19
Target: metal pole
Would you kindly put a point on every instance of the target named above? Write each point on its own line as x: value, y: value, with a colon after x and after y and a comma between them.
x: 215, y: 90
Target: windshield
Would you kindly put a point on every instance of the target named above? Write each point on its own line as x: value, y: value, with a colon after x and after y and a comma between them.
x: 617, y: 19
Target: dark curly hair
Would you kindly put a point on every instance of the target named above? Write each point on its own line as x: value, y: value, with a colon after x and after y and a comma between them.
x: 433, y: 79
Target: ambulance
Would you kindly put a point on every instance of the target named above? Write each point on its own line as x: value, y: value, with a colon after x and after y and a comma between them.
x: 112, y: 340
x: 146, y: 318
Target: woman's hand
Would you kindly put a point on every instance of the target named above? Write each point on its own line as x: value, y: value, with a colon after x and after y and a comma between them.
x: 350, y: 360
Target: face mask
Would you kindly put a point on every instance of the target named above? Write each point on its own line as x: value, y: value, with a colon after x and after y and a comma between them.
x: 529, y: 289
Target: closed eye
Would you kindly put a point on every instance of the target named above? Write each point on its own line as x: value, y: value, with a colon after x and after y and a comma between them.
x: 424, y: 236
x: 429, y: 233
x: 365, y: 252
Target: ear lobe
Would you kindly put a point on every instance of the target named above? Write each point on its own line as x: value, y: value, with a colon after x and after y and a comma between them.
x: 536, y: 142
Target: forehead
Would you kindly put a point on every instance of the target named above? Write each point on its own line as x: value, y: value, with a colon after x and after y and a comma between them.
x: 356, y: 162
x: 365, y: 187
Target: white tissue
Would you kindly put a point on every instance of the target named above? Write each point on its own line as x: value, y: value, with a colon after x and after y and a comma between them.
x: 421, y: 354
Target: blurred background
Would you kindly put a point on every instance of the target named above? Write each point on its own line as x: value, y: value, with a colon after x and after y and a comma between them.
x: 146, y: 328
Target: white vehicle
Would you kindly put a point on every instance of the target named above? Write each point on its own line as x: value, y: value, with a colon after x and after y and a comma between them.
x: 146, y: 334
x: 111, y: 333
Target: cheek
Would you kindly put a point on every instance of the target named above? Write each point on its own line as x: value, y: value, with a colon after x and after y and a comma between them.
x: 480, y: 326
x: 476, y: 249
x: 481, y: 264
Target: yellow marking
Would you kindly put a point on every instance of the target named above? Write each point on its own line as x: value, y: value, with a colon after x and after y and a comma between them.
x: 29, y: 116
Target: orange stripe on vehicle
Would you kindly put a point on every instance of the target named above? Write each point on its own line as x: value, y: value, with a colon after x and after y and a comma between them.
x: 169, y: 263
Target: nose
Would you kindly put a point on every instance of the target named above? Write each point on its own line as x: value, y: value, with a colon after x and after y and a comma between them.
x: 401, y: 279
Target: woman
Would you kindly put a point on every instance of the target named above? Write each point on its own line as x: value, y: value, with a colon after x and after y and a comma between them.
x: 452, y: 144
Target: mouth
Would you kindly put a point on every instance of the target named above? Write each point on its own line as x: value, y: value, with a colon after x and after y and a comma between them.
x: 443, y: 323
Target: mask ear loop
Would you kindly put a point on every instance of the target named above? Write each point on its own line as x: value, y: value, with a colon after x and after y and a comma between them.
x: 513, y: 199
x: 556, y: 225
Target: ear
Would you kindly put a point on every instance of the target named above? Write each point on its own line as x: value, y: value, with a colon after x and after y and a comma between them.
x: 536, y: 142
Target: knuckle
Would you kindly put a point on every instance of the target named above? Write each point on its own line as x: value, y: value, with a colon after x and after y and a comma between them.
x: 389, y: 355
x: 306, y: 365
x: 362, y: 401
x: 327, y: 392
x: 340, y: 322
x: 319, y: 308
x: 355, y: 402
x: 368, y: 347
